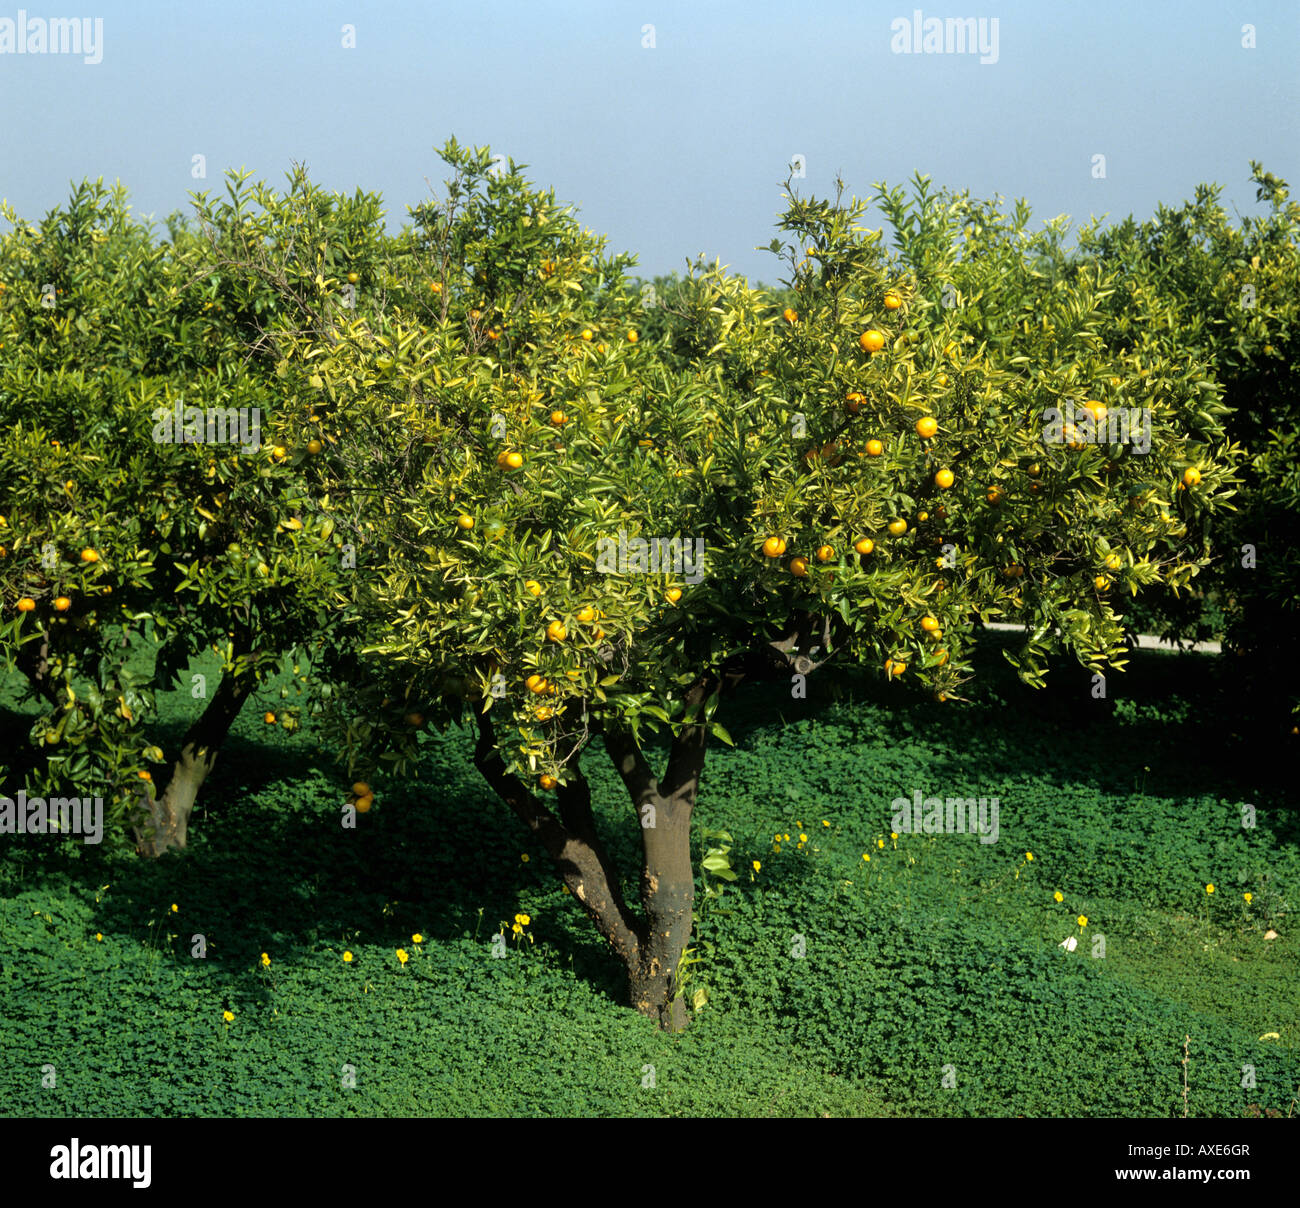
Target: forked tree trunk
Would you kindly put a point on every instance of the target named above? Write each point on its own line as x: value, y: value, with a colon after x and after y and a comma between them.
x: 649, y: 947
x: 163, y: 822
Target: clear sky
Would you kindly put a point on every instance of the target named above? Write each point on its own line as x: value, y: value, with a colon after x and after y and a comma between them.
x: 670, y: 150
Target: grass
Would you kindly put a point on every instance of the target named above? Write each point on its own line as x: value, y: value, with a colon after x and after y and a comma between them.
x: 929, y: 980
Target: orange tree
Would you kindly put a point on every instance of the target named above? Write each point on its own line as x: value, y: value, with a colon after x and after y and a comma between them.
x: 119, y: 539
x: 582, y: 548
x: 1231, y: 295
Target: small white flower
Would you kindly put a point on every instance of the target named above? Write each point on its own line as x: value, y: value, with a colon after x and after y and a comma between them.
x: 1069, y: 943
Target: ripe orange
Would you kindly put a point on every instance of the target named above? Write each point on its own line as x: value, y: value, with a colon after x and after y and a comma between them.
x: 825, y: 553
x: 1112, y: 562
x: 1095, y: 409
x: 897, y: 527
x: 674, y: 594
x: 942, y: 379
x: 547, y: 782
x: 1101, y: 583
x: 586, y: 614
x: 926, y: 427
x: 789, y: 315
x: 26, y: 604
x: 89, y: 555
x: 799, y: 566
x: 1034, y: 471
x: 279, y: 452
x: 941, y: 657
x: 929, y: 624
x: 536, y: 684
x: 465, y: 522
x: 269, y: 718
x: 62, y: 604
x: 893, y: 669
x: 513, y: 461
x: 353, y: 278
x: 586, y: 334
x: 943, y: 479
x: 556, y: 631
x: 1191, y: 476
x: 533, y: 588
x: 363, y: 804
x: 1014, y: 571
x: 361, y: 789
x: 994, y: 495
x: 773, y: 547
x: 854, y: 402
x: 922, y: 517
x: 872, y: 341
x: 864, y: 545
x: 559, y: 419
x: 543, y: 713
x: 314, y: 447
x: 875, y: 448
x: 435, y: 287
x: 632, y: 337
x: 893, y: 301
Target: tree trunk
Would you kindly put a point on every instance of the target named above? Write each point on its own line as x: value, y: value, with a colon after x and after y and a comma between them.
x: 163, y: 822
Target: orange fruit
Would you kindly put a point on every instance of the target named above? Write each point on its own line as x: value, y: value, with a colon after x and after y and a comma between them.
x: 789, y: 315
x: 533, y: 588
x: 674, y: 594
x: 799, y: 566
x: 922, y: 517
x: 994, y: 495
x: 586, y: 334
x: 62, y: 604
x: 435, y: 287
x: 269, y: 718
x: 361, y: 789
x: 943, y: 479
x: 465, y: 522
x: 1101, y: 583
x: 89, y: 555
x: 353, y: 278
x: 363, y: 804
x: 893, y: 301
x: 556, y: 631
x: 547, y: 782
x: 314, y: 447
x: 586, y: 614
x: 773, y: 547
x: 864, y: 545
x: 1095, y: 409
x: 875, y: 448
x: 26, y: 604
x: 1112, y: 562
x: 513, y: 461
x: 279, y: 452
x: 825, y: 553
x: 872, y: 341
x: 543, y: 713
x: 558, y: 418
x: 897, y: 527
x: 536, y: 684
x: 854, y: 402
x: 893, y: 668
x: 941, y: 657
x: 926, y: 427
x: 1034, y: 471
x: 929, y: 624
x: 1191, y: 476
x: 632, y: 337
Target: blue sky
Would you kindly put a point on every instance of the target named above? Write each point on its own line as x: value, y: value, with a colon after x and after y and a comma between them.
x: 670, y: 151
